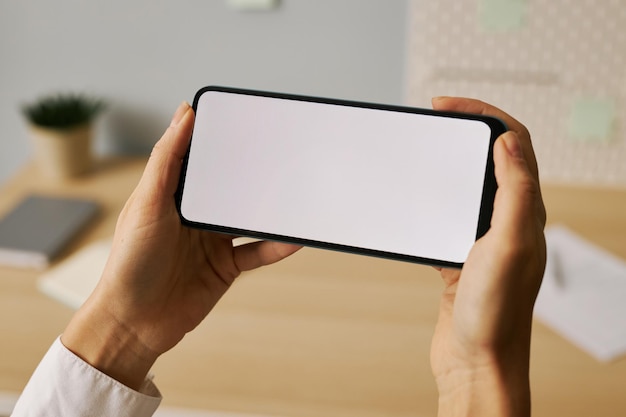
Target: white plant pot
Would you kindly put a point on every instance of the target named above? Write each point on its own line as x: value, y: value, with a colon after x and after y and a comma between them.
x: 63, y: 153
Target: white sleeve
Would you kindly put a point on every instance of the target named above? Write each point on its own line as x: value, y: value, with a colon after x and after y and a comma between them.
x: 65, y: 385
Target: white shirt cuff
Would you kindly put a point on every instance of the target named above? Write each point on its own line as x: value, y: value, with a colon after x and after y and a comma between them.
x: 65, y: 385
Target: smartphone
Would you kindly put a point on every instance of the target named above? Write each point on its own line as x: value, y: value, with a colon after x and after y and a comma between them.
x: 390, y: 181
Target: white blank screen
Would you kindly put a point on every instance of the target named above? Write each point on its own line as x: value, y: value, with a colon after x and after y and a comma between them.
x: 388, y: 181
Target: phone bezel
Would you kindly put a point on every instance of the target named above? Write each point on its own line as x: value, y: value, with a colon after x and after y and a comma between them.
x: 496, y: 125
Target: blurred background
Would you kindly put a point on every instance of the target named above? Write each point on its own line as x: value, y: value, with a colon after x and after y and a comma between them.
x: 559, y: 68
x: 145, y: 57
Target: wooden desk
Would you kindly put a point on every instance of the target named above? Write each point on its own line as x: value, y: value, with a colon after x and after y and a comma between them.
x: 28, y: 319
x: 321, y: 333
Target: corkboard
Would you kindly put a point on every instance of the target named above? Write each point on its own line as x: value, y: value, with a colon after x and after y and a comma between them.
x: 558, y: 66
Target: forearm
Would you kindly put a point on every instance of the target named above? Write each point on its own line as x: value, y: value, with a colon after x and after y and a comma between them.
x: 107, y: 345
x: 498, y: 387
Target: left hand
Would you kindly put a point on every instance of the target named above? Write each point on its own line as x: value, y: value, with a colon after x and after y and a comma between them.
x: 161, y: 278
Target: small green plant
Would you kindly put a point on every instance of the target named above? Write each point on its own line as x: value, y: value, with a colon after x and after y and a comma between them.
x: 62, y: 111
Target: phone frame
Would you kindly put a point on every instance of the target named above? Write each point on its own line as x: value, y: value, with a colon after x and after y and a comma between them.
x: 496, y: 125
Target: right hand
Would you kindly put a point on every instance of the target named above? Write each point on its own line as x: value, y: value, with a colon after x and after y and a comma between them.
x: 481, y: 346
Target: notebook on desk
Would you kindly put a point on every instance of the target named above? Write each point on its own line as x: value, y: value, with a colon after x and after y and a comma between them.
x: 40, y: 227
x: 72, y: 280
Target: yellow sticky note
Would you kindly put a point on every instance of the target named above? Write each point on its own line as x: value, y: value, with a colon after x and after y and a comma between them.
x: 592, y: 119
x: 502, y: 15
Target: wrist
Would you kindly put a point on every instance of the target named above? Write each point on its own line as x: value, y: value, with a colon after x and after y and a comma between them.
x: 492, y: 385
x: 107, y: 345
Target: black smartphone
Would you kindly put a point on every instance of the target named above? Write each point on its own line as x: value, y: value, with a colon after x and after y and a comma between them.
x: 390, y: 181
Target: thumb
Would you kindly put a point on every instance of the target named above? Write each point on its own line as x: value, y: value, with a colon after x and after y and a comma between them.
x: 518, y: 203
x: 162, y: 171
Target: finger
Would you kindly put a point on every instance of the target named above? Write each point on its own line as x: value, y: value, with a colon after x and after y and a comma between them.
x: 162, y: 171
x: 467, y: 105
x: 450, y: 276
x: 253, y: 255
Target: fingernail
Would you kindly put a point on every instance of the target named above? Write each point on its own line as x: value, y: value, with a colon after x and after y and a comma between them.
x: 513, y: 145
x: 180, y: 112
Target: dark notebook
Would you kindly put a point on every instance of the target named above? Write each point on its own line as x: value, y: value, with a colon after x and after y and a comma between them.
x: 40, y: 227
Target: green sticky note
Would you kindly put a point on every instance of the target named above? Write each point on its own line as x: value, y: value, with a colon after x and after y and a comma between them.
x: 591, y: 119
x: 502, y: 15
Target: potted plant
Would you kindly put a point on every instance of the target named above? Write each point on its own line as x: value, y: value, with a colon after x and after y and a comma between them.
x: 61, y: 128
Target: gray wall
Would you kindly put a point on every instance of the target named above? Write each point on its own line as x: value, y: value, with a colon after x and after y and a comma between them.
x: 146, y: 56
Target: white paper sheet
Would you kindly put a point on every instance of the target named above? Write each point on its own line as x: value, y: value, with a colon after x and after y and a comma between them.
x: 583, y: 295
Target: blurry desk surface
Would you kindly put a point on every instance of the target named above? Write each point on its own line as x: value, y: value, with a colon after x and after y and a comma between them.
x: 321, y: 333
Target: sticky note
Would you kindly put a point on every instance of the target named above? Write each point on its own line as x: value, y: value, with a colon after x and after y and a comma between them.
x: 591, y: 119
x: 502, y: 15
